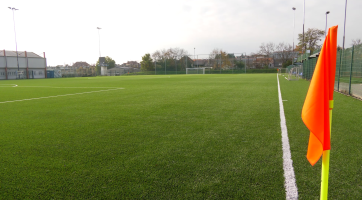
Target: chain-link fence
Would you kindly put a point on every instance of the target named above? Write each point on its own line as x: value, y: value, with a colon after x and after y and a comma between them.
x: 72, y: 72
x: 226, y: 63
x: 348, y: 70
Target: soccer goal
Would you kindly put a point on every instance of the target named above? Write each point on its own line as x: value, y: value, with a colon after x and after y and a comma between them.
x: 294, y: 73
x: 281, y: 71
x: 199, y: 70
x: 20, y: 75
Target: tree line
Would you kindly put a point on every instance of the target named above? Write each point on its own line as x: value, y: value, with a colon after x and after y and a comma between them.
x: 277, y: 54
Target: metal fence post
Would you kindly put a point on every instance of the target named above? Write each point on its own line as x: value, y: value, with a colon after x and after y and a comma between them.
x: 340, y: 66
x: 350, y: 73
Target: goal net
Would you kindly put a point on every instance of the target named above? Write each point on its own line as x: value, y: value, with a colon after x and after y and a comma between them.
x: 294, y: 73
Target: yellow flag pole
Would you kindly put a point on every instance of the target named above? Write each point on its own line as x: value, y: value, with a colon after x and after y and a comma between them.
x: 325, y: 160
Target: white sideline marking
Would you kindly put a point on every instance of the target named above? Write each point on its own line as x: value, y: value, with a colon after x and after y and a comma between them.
x: 61, y: 95
x: 14, y: 85
x: 289, y: 183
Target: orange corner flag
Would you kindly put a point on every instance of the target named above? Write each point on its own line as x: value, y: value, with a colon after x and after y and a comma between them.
x: 315, y: 112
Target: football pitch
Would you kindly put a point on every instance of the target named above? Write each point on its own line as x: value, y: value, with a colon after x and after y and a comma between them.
x: 167, y: 137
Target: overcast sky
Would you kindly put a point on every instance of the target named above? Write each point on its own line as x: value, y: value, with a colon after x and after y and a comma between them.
x: 67, y: 30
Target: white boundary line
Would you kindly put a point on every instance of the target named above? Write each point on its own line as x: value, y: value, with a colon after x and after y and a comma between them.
x: 61, y: 95
x: 290, y: 185
x: 14, y: 85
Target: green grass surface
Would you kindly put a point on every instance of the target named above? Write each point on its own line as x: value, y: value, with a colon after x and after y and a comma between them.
x: 345, y: 180
x: 167, y: 137
x: 161, y: 137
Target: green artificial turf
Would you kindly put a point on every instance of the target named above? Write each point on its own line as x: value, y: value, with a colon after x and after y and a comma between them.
x: 345, y: 179
x: 161, y: 137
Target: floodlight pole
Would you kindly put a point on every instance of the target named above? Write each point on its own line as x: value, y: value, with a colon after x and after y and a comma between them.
x: 345, y: 15
x: 186, y: 60
x: 16, y: 44
x: 194, y: 55
x: 305, y: 46
x: 176, y: 64
x: 293, y: 36
x: 99, y: 39
x: 293, y: 26
x: 325, y: 32
x: 220, y: 61
x: 245, y: 61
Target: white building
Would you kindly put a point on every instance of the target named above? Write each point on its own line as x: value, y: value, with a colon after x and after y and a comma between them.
x: 31, y: 65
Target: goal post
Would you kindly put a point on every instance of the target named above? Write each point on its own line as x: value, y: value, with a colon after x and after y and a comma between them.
x: 195, y: 71
x: 199, y: 70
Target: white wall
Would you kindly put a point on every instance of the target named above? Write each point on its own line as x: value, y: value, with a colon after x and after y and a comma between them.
x: 36, y: 63
x: 12, y: 63
x: 12, y: 73
x: 104, y: 71
x: 2, y: 62
x: 37, y: 73
x: 36, y: 67
x: 2, y: 74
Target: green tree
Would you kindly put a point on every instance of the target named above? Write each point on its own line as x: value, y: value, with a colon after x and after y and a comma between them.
x: 287, y: 63
x: 220, y: 59
x: 110, y: 63
x: 311, y: 39
x: 147, y: 63
x: 239, y: 64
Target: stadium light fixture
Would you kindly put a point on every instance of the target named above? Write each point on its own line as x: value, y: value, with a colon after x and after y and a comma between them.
x: 325, y: 32
x: 16, y: 44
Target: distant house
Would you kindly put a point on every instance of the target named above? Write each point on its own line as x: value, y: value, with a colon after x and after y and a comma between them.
x: 282, y: 56
x: 133, y: 64
x: 81, y: 64
x: 204, y: 62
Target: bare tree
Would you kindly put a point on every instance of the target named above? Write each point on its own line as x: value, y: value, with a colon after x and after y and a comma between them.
x: 171, y: 53
x: 175, y: 58
x: 356, y: 42
x: 219, y: 59
x: 284, y: 53
x: 157, y: 55
x: 267, y: 49
x: 263, y: 58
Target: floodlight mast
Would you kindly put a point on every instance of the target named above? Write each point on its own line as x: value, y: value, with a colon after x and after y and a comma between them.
x: 16, y: 44
x: 99, y: 37
x: 293, y: 33
x: 325, y: 32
